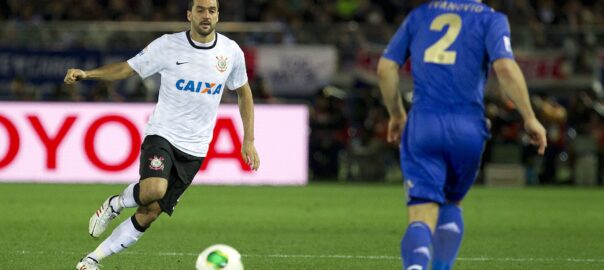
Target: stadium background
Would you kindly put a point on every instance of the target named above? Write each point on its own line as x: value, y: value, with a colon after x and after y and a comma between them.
x: 558, y: 44
x: 333, y: 48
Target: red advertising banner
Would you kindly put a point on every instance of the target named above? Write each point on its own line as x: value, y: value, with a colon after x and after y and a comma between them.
x: 75, y: 142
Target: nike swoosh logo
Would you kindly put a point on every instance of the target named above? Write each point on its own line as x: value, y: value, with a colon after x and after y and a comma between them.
x: 180, y: 63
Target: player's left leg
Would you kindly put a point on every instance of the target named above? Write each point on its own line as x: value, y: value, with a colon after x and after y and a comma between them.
x: 424, y: 170
x: 415, y: 246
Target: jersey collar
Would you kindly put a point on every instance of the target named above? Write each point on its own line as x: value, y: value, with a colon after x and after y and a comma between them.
x: 199, y: 47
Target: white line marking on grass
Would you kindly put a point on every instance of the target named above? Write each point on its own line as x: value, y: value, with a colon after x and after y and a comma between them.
x: 332, y: 256
x: 533, y: 260
x: 324, y: 256
x: 481, y: 259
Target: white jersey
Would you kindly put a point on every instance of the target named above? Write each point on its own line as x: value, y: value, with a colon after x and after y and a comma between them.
x: 192, y: 81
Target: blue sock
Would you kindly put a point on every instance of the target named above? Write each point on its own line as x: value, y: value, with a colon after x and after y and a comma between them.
x: 415, y: 246
x: 447, y: 237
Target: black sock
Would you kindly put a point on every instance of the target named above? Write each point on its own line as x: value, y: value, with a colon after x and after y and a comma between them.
x: 137, y: 226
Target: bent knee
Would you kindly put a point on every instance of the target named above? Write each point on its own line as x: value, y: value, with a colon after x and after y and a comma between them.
x: 153, y: 189
x: 156, y: 193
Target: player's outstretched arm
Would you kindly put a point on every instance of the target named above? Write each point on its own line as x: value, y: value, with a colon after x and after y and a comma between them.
x: 513, y: 85
x: 111, y: 72
x: 246, y: 110
x: 388, y: 77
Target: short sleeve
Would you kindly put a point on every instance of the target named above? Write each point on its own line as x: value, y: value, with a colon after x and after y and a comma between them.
x: 498, y: 40
x: 398, y: 48
x: 149, y: 60
x: 238, y: 76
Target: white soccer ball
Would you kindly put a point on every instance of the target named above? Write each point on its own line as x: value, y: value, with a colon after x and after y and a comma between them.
x: 219, y: 257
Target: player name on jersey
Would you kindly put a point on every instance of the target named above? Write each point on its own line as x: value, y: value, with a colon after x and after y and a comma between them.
x: 452, y: 6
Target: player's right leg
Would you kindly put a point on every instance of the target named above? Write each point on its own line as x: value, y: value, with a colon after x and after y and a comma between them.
x: 152, y: 189
x: 466, y: 143
x: 447, y: 236
x: 147, y: 191
x: 155, y: 167
x: 415, y: 246
x: 128, y: 232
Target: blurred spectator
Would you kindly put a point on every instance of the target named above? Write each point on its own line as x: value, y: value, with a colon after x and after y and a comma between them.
x: 21, y: 90
x: 328, y: 136
x: 262, y: 90
x: 547, y: 13
x: 105, y: 92
x: 554, y: 119
x: 64, y: 92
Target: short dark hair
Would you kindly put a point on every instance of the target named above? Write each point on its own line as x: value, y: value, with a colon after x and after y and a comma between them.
x: 192, y: 2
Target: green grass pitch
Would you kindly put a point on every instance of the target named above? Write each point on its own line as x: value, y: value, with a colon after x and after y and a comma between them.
x: 321, y: 226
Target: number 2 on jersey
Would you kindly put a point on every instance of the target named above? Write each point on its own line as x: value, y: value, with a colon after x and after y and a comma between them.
x: 437, y: 53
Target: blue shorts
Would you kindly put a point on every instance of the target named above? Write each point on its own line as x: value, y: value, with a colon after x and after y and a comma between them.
x: 441, y: 154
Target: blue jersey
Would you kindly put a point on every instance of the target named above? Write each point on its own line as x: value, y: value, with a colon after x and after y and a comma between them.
x: 451, y: 45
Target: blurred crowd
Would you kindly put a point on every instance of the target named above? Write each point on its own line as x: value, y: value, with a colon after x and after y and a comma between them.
x: 575, y: 133
x: 349, y: 24
x: 348, y: 120
x: 522, y: 12
x: 348, y: 139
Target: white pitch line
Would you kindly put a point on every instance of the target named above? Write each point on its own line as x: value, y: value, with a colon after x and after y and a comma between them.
x: 335, y: 256
x: 328, y: 256
x: 534, y: 260
x: 481, y: 259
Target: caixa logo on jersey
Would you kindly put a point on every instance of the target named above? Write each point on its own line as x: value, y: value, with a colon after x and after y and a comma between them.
x: 199, y: 87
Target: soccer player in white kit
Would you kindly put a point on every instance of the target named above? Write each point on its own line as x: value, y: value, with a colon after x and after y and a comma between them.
x: 196, y: 67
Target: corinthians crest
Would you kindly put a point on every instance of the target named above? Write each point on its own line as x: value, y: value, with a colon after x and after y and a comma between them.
x: 157, y: 163
x: 222, y: 64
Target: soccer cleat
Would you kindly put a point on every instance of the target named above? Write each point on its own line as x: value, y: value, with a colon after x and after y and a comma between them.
x: 88, y: 263
x: 101, y: 218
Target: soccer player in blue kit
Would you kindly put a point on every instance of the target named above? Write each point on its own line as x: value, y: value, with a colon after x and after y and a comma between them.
x: 451, y: 45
